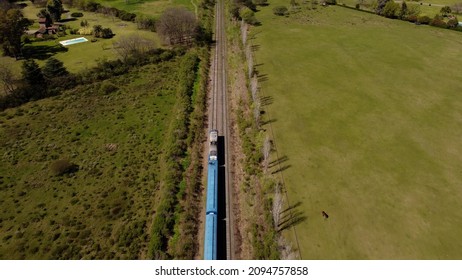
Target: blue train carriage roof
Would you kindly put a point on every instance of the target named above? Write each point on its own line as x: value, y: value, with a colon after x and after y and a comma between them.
x: 210, y: 242
x: 212, y: 186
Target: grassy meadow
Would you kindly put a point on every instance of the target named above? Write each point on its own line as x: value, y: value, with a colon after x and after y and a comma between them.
x: 367, y: 111
x: 148, y: 7
x: 114, y: 132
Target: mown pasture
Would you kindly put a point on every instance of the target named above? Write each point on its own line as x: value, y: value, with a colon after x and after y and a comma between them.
x: 113, y: 132
x: 366, y: 115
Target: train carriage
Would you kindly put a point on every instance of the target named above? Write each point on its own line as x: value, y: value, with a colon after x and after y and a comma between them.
x: 211, y: 210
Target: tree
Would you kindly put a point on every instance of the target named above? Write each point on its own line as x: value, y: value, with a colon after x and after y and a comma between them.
x: 445, y: 11
x: 43, y: 13
x: 97, y: 31
x: 380, y: 6
x: 403, y: 12
x: 133, y: 45
x: 177, y: 26
x: 390, y: 10
x: 413, y: 10
x: 31, y: 72
x: 106, y: 33
x: 35, y: 86
x: 54, y: 68
x: 248, y: 15
x: 7, y: 78
x: 144, y: 22
x: 55, y: 8
x: 438, y: 22
x: 12, y: 27
x: 453, y: 23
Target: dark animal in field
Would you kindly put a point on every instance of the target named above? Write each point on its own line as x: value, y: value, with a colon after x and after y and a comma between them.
x: 324, y: 214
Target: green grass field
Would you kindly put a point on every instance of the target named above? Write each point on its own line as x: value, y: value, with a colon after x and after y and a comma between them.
x: 148, y: 7
x: 105, y: 209
x: 368, y: 112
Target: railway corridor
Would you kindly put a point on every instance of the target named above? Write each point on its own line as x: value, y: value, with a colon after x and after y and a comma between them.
x: 218, y: 119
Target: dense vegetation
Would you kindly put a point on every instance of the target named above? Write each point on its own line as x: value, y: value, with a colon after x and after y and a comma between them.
x: 112, y: 132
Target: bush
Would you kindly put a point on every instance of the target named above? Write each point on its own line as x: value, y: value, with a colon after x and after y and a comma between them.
x: 248, y: 15
x: 452, y: 23
x: 63, y: 166
x: 77, y: 14
x: 331, y: 2
x: 424, y: 20
x: 126, y: 16
x: 106, y: 33
x: 438, y: 22
x: 412, y: 18
x: 390, y: 9
x: 280, y: 10
x: 107, y: 88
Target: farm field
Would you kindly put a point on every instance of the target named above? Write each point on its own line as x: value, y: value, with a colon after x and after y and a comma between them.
x: 367, y: 111
x: 114, y: 131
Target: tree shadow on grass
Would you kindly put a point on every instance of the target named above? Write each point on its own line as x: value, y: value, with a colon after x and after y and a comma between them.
x: 278, y: 161
x: 290, y: 217
x: 266, y: 100
x: 282, y: 168
x: 42, y: 52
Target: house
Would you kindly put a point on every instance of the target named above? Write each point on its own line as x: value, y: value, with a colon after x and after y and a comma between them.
x: 46, y: 26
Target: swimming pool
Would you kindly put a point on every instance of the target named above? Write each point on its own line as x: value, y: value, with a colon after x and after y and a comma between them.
x: 73, y: 41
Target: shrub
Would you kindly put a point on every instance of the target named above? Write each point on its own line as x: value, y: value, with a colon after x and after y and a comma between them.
x: 126, y: 16
x: 108, y: 87
x: 423, y: 20
x: 452, y: 23
x: 77, y: 14
x: 331, y: 2
x: 280, y: 10
x: 63, y: 166
x: 106, y: 33
x: 248, y: 15
x: 390, y: 10
x: 412, y: 18
x: 438, y: 22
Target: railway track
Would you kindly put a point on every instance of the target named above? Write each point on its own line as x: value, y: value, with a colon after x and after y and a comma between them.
x: 218, y: 116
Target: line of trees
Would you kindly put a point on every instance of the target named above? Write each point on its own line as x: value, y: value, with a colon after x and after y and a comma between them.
x: 92, y: 6
x: 411, y: 13
x: 36, y: 83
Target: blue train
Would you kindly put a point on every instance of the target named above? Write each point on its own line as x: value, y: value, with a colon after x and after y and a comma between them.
x: 211, y: 209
